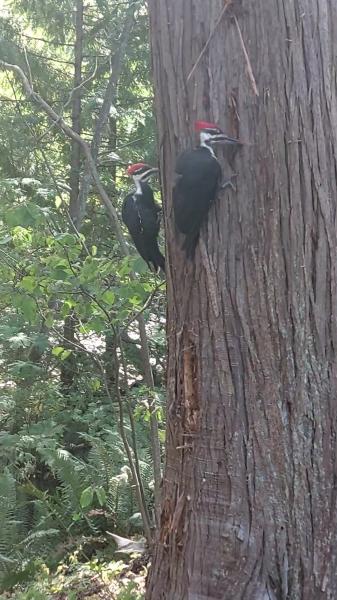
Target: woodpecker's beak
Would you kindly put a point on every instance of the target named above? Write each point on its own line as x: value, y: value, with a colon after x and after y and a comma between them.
x: 147, y: 174
x: 152, y: 171
x: 225, y: 139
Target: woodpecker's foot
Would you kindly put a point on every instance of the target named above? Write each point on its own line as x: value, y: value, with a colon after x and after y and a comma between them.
x: 229, y: 183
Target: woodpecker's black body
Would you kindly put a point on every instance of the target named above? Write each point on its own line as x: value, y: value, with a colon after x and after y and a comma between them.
x: 199, y: 176
x: 141, y: 215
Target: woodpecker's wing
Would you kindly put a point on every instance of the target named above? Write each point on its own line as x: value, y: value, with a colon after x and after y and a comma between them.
x: 139, y: 218
x: 130, y: 214
x: 198, y: 180
x: 142, y: 220
x: 149, y: 210
x: 148, y: 200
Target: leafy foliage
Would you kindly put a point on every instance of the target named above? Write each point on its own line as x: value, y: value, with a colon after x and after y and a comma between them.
x: 65, y: 478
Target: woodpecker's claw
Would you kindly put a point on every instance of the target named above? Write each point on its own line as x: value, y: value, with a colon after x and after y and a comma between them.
x: 229, y: 183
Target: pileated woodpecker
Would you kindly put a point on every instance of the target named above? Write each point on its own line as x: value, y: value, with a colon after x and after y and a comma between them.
x: 198, y: 179
x: 141, y: 215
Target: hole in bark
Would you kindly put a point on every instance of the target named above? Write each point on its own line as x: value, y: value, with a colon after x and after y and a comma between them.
x: 190, y: 388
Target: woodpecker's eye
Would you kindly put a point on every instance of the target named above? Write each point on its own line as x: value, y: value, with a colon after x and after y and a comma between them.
x: 212, y: 131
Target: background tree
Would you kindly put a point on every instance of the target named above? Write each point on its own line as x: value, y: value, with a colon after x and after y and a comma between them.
x: 249, y: 499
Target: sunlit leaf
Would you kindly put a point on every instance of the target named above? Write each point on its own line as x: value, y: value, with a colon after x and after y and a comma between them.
x: 57, y: 350
x: 87, y: 497
x: 108, y: 297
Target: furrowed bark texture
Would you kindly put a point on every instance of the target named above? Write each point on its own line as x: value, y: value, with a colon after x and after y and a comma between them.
x: 249, y: 491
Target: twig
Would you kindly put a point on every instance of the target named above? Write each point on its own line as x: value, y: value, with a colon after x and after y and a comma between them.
x: 133, y: 142
x: 8, y: 258
x: 154, y: 431
x: 81, y: 85
x: 28, y: 66
x: 137, y: 482
x: 131, y: 420
x: 38, y: 39
x: 145, y: 305
x: 203, y: 51
x: 248, y: 63
x: 66, y: 104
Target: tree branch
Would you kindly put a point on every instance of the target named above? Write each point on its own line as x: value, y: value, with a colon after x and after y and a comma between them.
x: 59, y: 121
x: 110, y: 94
x: 247, y: 59
x: 217, y: 23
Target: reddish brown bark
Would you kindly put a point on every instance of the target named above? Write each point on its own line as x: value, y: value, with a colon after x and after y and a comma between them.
x: 249, y: 491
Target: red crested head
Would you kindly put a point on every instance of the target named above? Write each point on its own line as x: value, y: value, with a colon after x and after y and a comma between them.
x: 141, y: 171
x: 202, y: 125
x: 210, y: 133
x: 136, y: 168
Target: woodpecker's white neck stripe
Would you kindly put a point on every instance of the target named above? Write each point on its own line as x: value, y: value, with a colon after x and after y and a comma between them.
x: 138, y: 186
x: 204, y: 144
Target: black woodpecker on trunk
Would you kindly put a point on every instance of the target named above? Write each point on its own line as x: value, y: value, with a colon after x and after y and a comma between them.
x: 141, y: 215
x: 198, y: 180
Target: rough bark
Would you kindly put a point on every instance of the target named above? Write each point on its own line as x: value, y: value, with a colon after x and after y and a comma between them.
x: 249, y: 492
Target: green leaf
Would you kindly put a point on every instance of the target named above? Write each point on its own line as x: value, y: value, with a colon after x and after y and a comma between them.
x: 135, y: 300
x: 87, y: 497
x: 28, y: 283
x: 67, y: 239
x: 19, y: 216
x: 8, y: 440
x: 61, y: 274
x: 21, y: 340
x: 95, y: 384
x: 162, y: 435
x: 101, y: 495
x: 49, y: 320
x: 139, y: 265
x: 108, y: 297
x: 27, y: 306
x: 57, y: 350
x: 61, y: 352
x: 25, y: 369
x: 95, y: 324
x: 125, y: 267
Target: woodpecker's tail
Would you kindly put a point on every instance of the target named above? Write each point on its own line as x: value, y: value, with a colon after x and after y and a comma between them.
x: 156, y: 258
x: 190, y: 244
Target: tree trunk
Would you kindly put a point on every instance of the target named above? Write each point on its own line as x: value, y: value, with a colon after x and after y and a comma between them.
x: 249, y: 492
x: 68, y: 369
x: 75, y: 165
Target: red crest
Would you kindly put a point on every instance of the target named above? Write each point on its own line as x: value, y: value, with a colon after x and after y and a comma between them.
x: 132, y: 169
x: 200, y: 125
